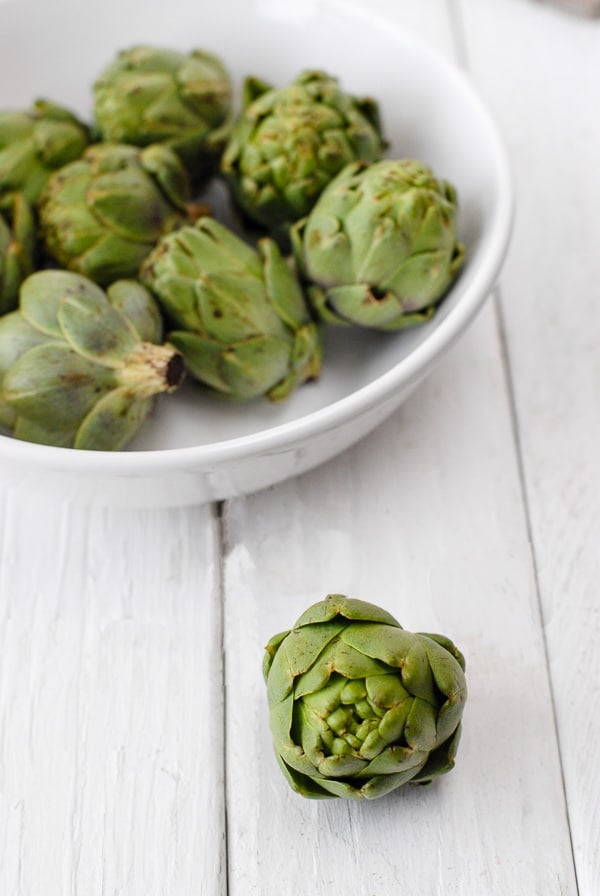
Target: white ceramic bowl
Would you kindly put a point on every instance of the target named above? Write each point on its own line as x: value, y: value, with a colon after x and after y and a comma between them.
x: 197, y: 448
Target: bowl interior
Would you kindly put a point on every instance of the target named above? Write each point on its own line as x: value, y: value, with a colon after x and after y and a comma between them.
x: 428, y: 113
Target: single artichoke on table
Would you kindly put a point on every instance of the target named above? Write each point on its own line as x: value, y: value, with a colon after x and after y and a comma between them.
x: 359, y: 706
x: 290, y: 142
x: 152, y: 95
x: 380, y: 247
x: 101, y: 215
x: 36, y: 143
x: 240, y: 318
x: 79, y: 367
x: 17, y: 248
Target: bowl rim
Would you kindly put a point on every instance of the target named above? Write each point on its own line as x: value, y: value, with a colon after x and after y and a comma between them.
x: 407, y: 371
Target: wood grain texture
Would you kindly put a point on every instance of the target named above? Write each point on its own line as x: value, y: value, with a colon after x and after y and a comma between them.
x: 425, y: 518
x: 538, y: 66
x: 111, y: 778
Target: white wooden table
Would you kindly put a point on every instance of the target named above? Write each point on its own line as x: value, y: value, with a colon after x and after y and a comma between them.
x: 135, y: 757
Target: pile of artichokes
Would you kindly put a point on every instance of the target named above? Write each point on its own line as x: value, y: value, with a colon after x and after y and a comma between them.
x: 336, y: 234
x: 102, y: 250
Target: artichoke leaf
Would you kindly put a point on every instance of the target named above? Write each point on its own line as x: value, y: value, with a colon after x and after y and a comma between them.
x: 17, y: 164
x: 396, y: 760
x: 112, y: 422
x: 168, y: 172
x: 441, y: 760
x: 54, y: 386
x: 387, y: 643
x: 43, y: 293
x: 421, y: 279
x: 128, y: 204
x: 296, y: 758
x: 111, y: 258
x: 307, y: 356
x: 448, y: 645
x: 361, y: 305
x: 202, y: 358
x: 14, y: 268
x: 59, y: 141
x: 391, y: 727
x: 252, y: 367
x: 420, y: 730
x: 386, y: 690
x: 303, y: 784
x: 22, y: 219
x: 271, y: 649
x: 96, y: 330
x: 137, y: 304
x: 16, y: 337
x: 448, y: 678
x: 326, y: 696
x: 353, y: 663
x: 30, y: 431
x: 282, y: 286
x: 252, y: 88
x: 341, y: 766
x: 281, y: 720
x: 346, y: 607
x: 216, y: 248
x: 299, y: 653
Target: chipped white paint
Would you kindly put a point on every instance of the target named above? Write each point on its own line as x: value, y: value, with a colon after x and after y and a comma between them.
x: 112, y: 738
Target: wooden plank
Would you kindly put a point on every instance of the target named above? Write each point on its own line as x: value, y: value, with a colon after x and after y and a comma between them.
x: 550, y: 84
x: 111, y: 746
x: 424, y: 517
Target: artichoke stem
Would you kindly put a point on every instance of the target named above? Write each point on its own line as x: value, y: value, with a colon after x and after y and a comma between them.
x: 152, y: 369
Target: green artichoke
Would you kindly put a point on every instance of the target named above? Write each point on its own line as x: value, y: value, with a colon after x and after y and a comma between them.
x: 358, y: 705
x: 34, y: 144
x: 289, y: 143
x: 17, y: 248
x: 241, y: 320
x: 101, y: 215
x: 151, y: 95
x: 79, y: 367
x: 380, y: 246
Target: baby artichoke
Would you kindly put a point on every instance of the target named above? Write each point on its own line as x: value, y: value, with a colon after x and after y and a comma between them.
x: 34, y: 144
x: 241, y: 320
x: 152, y: 95
x: 380, y: 246
x: 101, y: 215
x: 290, y: 142
x: 17, y: 248
x: 359, y: 706
x: 79, y: 367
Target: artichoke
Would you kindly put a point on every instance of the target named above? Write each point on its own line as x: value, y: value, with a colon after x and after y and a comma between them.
x: 241, y: 320
x: 151, y: 95
x: 17, y: 248
x: 380, y: 246
x: 359, y: 706
x: 101, y: 215
x: 289, y: 143
x: 79, y: 367
x: 34, y: 144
